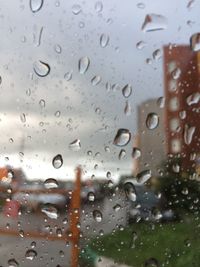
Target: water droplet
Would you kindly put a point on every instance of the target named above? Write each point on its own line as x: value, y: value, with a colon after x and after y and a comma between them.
x: 23, y: 118
x: 50, y: 210
x: 117, y: 207
x: 141, y: 5
x: 108, y: 174
x: 42, y: 103
x: 75, y: 145
x: 122, y: 154
x: 188, y: 134
x: 140, y: 45
x: 136, y: 153
x: 51, y: 183
x: 36, y: 5
x: 97, y: 215
x: 127, y: 109
x: 76, y: 9
x: 161, y: 102
x: 127, y: 90
x: 91, y: 196
x: 58, y: 49
x: 122, y: 137
x: 154, y: 22
x: 151, y: 262
x: 33, y: 244
x: 12, y: 263
x: 130, y: 191
x: 176, y: 168
x: 157, y: 54
x: 96, y: 80
x: 57, y: 114
x: 41, y: 68
x: 152, y: 121
x: 57, y: 161
x: 134, y: 238
x: 68, y: 76
x: 104, y: 40
x: 98, y: 6
x: 84, y: 63
x: 193, y: 99
x: 31, y: 254
x: 176, y: 74
x: 195, y: 42
x: 144, y: 176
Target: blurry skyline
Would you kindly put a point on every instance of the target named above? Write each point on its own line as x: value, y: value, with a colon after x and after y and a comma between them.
x: 88, y: 112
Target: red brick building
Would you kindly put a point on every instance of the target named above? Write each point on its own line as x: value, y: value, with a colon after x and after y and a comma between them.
x: 182, y: 106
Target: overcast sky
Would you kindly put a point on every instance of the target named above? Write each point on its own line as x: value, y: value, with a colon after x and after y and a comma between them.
x: 89, y: 113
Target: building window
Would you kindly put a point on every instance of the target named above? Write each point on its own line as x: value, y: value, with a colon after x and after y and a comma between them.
x: 174, y: 104
x: 175, y: 145
x: 174, y: 124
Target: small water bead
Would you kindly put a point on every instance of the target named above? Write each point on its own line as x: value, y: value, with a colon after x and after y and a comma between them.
x: 161, y: 102
x: 58, y: 49
x: 98, y: 6
x: 97, y: 215
x: 130, y: 191
x: 127, y: 109
x: 68, y: 76
x: 127, y: 90
x: 122, y: 137
x: 151, y: 262
x: 104, y: 40
x: 144, y: 176
x: 140, y: 45
x: 117, y: 207
x: 188, y: 133
x: 75, y: 145
x: 122, y: 154
x: 57, y: 161
x: 42, y: 103
x: 195, y: 42
x: 136, y: 153
x: 13, y: 263
x: 154, y: 22
x: 36, y: 5
x: 50, y: 210
x: 23, y: 118
x: 193, y: 99
x: 157, y: 54
x: 51, y: 183
x: 76, y: 9
x: 152, y: 121
x: 31, y: 254
x: 91, y: 196
x: 176, y: 74
x: 83, y: 66
x: 41, y: 68
x: 33, y: 244
x: 96, y: 80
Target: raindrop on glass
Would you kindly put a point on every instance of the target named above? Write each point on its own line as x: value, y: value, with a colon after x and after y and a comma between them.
x: 127, y: 109
x: 96, y: 80
x: 51, y: 183
x: 36, y: 5
x: 91, y: 196
x: 122, y: 137
x: 136, y: 153
x: 122, y: 154
x: 152, y: 121
x: 130, y: 191
x: 13, y: 263
x: 104, y: 40
x: 98, y: 6
x: 154, y: 22
x: 75, y: 145
x: 144, y: 176
x: 97, y: 215
x: 76, y: 9
x: 68, y: 76
x: 50, y: 210
x: 195, y: 42
x: 57, y: 161
x: 127, y: 90
x: 31, y: 254
x: 41, y: 68
x: 83, y: 65
x: 188, y: 134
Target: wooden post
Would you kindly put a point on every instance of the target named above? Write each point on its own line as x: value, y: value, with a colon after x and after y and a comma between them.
x: 75, y: 218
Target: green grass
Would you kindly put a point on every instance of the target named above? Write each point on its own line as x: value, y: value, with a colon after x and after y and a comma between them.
x: 172, y: 244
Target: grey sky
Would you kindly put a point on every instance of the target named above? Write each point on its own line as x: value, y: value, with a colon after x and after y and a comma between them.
x: 119, y: 63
